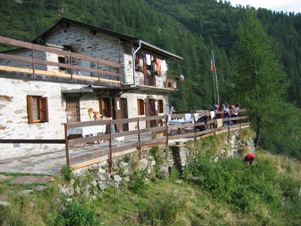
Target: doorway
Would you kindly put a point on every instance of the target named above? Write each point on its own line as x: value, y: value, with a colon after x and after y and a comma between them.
x: 73, y: 109
x: 151, y: 107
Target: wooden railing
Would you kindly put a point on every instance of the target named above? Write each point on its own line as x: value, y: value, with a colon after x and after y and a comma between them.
x: 11, y: 63
x: 139, y: 139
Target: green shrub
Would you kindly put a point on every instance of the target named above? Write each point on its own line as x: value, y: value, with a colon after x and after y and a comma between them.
x: 77, y: 214
x: 162, y: 210
x: 67, y: 173
x: 245, y: 134
x: 137, y: 183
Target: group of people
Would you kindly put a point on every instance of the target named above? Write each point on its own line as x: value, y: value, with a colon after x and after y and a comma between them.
x: 225, y: 111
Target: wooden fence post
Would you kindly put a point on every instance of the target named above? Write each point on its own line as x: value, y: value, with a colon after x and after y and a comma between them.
x: 110, y: 147
x: 166, y: 129
x: 139, y: 139
x: 67, y: 145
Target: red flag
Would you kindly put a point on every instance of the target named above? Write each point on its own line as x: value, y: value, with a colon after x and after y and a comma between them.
x: 212, y: 65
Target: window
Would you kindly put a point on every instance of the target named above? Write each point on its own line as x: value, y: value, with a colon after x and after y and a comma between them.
x: 37, y: 109
x: 62, y: 60
x: 140, y: 105
x: 160, y: 106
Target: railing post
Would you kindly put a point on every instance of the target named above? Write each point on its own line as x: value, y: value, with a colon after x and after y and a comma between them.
x: 139, y: 139
x: 67, y: 145
x: 166, y: 129
x: 71, y: 66
x: 194, y: 126
x: 33, y: 64
x: 215, y: 125
x: 98, y: 75
x: 110, y: 147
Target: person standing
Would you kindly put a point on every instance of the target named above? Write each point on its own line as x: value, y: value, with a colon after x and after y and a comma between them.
x: 172, y: 110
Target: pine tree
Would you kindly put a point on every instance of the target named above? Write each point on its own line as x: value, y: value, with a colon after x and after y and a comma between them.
x: 259, y: 81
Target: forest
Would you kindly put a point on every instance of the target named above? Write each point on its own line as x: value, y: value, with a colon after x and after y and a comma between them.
x: 193, y: 29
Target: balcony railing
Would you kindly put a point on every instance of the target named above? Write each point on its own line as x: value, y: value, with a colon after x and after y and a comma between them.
x: 30, y: 59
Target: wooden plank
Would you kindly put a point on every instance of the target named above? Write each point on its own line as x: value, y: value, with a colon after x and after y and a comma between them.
x: 88, y: 163
x: 89, y: 156
x: 57, y: 74
x: 32, y: 141
x: 14, y: 42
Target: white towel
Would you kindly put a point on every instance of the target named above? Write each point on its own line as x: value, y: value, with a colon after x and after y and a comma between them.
x: 148, y: 59
x: 188, y: 117
x: 163, y: 65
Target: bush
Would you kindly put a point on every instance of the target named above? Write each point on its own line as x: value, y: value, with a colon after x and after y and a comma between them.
x: 162, y: 210
x: 76, y: 213
x: 67, y: 173
x: 137, y: 183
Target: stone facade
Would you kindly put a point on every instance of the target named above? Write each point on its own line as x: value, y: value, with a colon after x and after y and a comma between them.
x: 13, y: 103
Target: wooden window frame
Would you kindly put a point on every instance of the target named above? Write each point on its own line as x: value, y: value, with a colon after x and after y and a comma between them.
x: 140, y: 107
x: 37, y: 109
x: 62, y: 60
x: 160, y: 106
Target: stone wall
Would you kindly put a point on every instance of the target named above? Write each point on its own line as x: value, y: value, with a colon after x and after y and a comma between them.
x: 158, y: 161
x: 14, y: 117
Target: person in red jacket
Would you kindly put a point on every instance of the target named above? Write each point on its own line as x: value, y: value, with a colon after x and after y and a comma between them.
x: 249, y: 158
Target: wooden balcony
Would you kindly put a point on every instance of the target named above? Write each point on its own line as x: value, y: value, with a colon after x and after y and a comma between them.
x: 29, y: 60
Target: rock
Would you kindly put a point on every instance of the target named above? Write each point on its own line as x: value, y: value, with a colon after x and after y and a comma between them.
x: 163, y: 172
x: 25, y: 192
x: 68, y: 191
x: 142, y: 164
x: 102, y: 185
x: 102, y: 177
x: 94, y: 183
x: 117, y: 178
x: 31, y: 179
x: 3, y: 177
x: 40, y: 187
x: 4, y: 203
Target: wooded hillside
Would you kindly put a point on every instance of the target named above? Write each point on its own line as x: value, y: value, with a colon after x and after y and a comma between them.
x: 189, y: 28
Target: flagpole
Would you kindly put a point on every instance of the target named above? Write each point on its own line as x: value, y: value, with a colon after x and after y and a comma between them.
x: 214, y: 90
x: 216, y: 82
x: 213, y: 79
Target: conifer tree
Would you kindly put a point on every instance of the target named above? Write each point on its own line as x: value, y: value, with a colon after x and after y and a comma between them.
x: 259, y: 81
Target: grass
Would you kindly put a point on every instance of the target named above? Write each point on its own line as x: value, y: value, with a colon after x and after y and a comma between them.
x: 226, y: 192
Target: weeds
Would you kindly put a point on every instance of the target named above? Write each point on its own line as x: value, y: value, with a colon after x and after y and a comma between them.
x: 76, y: 213
x: 67, y: 173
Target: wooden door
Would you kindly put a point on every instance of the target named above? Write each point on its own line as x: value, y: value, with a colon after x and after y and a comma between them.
x: 73, y: 109
x: 105, y: 107
x: 117, y: 112
x: 124, y: 113
x: 151, y: 109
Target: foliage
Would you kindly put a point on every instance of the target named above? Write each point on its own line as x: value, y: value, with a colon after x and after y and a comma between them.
x: 260, y: 82
x: 138, y: 182
x: 246, y: 134
x: 226, y: 192
x: 191, y: 29
x: 67, y: 173
x: 77, y: 213
x: 162, y: 210
x: 247, y: 189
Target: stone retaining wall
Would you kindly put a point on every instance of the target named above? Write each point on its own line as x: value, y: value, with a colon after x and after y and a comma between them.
x: 157, y: 161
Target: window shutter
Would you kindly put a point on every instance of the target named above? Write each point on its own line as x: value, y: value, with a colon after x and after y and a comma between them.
x: 29, y: 109
x: 44, y: 109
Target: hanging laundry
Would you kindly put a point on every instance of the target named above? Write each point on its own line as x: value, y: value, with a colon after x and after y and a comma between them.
x: 148, y: 59
x: 154, y: 67
x: 158, y: 66
x: 163, y: 66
